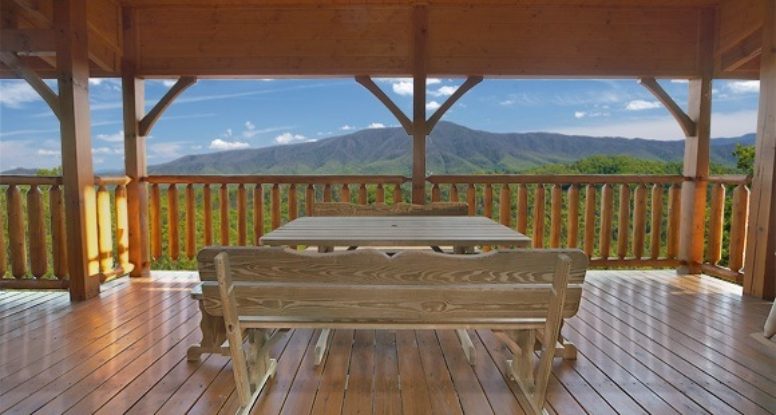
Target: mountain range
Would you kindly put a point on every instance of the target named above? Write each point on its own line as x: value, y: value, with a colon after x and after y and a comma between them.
x: 451, y: 149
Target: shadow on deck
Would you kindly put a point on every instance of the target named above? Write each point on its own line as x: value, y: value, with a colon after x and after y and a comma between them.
x: 649, y: 342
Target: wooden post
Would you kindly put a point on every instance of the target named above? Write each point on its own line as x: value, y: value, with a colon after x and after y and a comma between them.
x: 419, y: 131
x: 78, y: 176
x: 135, y: 165
x: 760, y: 268
x: 696, y: 156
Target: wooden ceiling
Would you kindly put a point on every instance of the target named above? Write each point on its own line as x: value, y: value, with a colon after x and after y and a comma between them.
x: 300, y: 38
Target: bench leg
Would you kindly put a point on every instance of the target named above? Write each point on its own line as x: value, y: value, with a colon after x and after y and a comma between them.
x: 322, y: 345
x: 563, y: 348
x: 213, y: 336
x: 468, y: 346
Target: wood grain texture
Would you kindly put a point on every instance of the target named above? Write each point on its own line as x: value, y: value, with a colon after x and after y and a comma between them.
x: 36, y: 226
x: 16, y: 233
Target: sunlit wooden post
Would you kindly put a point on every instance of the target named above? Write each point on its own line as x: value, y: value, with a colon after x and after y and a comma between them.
x: 760, y: 268
x: 78, y: 177
x: 36, y: 225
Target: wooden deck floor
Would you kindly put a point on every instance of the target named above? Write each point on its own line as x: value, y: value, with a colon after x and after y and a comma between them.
x: 649, y: 342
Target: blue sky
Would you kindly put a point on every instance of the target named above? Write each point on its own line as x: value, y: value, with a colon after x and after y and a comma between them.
x: 215, y: 115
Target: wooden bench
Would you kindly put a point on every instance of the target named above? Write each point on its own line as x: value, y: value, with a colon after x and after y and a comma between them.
x: 261, y: 290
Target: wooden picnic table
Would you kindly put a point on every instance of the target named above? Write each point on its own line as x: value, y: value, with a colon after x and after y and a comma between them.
x: 463, y: 233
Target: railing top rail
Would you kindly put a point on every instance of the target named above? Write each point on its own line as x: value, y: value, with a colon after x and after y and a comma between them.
x: 276, y: 179
x: 556, y: 179
x: 28, y: 180
x: 731, y: 179
x: 113, y: 180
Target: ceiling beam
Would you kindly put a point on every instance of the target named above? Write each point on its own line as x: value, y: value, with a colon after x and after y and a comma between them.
x: 28, y: 41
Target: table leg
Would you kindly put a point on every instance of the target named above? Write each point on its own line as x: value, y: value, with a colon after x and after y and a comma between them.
x: 322, y: 345
x: 468, y: 346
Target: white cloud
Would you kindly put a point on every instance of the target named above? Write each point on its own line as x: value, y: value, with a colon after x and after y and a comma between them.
x: 432, y: 105
x: 168, y: 82
x: 730, y: 124
x: 15, y: 93
x: 641, y: 105
x: 95, y: 81
x: 347, y: 127
x: 165, y: 151
x: 249, y: 125
x: 48, y: 152
x: 443, y: 91
x: 744, y: 87
x: 116, y: 137
x: 375, y: 125
x: 680, y: 81
x: 402, y: 87
x: 579, y: 114
x: 590, y: 114
x: 107, y: 150
x: 220, y: 145
x: 290, y: 138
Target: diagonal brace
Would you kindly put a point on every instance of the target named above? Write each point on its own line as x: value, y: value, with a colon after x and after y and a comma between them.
x: 152, y: 117
x: 369, y: 84
x: 470, y: 82
x: 12, y: 61
x: 688, y: 125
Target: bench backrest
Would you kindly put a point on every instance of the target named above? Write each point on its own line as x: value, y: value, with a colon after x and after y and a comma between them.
x: 399, y: 209
x: 411, y: 286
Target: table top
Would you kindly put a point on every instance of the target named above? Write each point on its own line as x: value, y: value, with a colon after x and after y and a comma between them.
x: 464, y: 231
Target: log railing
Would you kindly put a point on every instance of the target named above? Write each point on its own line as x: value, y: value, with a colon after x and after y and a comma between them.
x: 726, y: 226
x: 189, y: 212
x: 618, y: 220
x: 33, y: 251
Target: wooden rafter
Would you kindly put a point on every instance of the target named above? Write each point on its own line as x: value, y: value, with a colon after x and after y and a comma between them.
x: 372, y: 87
x: 687, y: 124
x: 52, y: 99
x: 150, y: 119
x: 452, y: 99
x: 743, y: 53
x: 28, y: 41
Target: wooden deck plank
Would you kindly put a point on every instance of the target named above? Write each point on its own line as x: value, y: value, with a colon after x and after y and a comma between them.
x: 649, y: 341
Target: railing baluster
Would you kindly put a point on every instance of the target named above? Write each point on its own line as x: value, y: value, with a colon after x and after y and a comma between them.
x: 538, y: 217
x: 242, y: 216
x: 275, y: 219
x: 309, y: 199
x: 488, y: 202
x: 58, y: 239
x: 607, y: 205
x: 207, y: 214
x: 471, y: 199
x: 556, y: 204
x: 380, y: 194
x: 224, y: 212
x: 173, y: 246
x: 522, y: 209
x: 589, y: 220
x: 122, y: 226
x: 657, y: 220
x: 345, y: 193
x: 397, y: 197
x: 738, y: 227
x: 623, y: 223
x: 3, y: 247
x: 674, y: 215
x: 453, y: 196
x: 362, y: 194
x: 639, y: 220
x: 716, y: 222
x: 37, y: 230
x: 436, y: 194
x: 16, y: 234
x: 258, y: 213
x: 573, y: 219
x: 505, y: 205
x: 293, y: 211
x: 327, y: 193
x: 156, y: 222
x: 191, y: 222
